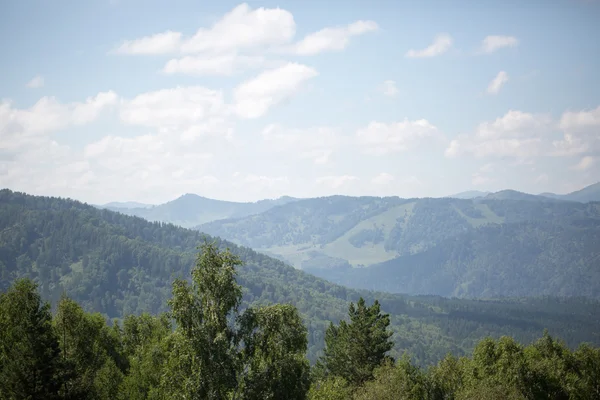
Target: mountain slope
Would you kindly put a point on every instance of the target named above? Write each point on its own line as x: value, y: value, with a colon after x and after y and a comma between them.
x: 360, y: 231
x: 533, y: 258
x: 117, y: 264
x: 190, y: 210
x: 587, y: 194
x: 470, y: 194
x: 125, y: 204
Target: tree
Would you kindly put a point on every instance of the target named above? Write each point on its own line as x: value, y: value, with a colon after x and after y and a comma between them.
x: 30, y: 363
x: 217, y: 353
x: 353, y: 350
x: 273, y: 356
x: 91, y: 353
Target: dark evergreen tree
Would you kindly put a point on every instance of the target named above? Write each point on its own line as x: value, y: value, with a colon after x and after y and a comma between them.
x: 354, y: 349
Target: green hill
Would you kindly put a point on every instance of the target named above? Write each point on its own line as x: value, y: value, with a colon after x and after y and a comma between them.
x: 362, y: 231
x: 117, y: 264
x: 190, y: 210
x: 532, y: 258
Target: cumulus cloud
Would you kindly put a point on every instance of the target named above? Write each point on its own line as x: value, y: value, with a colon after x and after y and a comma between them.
x: 336, y: 181
x: 332, y: 39
x: 20, y: 126
x: 383, y: 179
x: 159, y: 43
x: 497, y: 82
x: 240, y: 40
x: 240, y: 28
x: 496, y: 42
x: 440, y: 45
x: 581, y: 133
x: 176, y: 107
x: 388, y: 88
x: 380, y: 138
x: 254, y: 97
x: 222, y: 64
x: 36, y: 82
x: 584, y: 164
x: 516, y: 134
x: 316, y: 144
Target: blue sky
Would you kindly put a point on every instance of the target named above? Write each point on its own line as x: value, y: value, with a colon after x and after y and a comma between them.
x: 104, y: 100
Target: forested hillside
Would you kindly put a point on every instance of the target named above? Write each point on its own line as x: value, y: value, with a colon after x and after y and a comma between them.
x: 118, y: 265
x: 208, y: 347
x: 505, y: 244
x: 191, y: 210
x: 530, y: 258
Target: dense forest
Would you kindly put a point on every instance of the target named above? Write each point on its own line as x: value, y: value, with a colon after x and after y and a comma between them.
x: 119, y: 265
x: 206, y: 346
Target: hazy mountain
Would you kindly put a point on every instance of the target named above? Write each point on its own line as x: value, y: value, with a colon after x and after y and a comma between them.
x: 515, y: 195
x: 587, y: 194
x: 471, y: 194
x: 531, y: 258
x: 116, y: 265
x: 125, y: 204
x: 362, y: 231
x: 190, y: 210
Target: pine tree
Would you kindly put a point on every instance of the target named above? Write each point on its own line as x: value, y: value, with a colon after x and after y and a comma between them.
x: 353, y: 350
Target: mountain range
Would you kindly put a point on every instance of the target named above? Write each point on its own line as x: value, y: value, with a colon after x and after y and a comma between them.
x: 504, y: 244
x: 118, y: 265
x: 191, y: 210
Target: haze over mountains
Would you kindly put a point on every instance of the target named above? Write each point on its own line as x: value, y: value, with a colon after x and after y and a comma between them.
x: 473, y: 244
x: 191, y: 210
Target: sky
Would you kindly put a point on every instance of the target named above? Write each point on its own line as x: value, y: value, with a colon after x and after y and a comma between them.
x: 145, y: 100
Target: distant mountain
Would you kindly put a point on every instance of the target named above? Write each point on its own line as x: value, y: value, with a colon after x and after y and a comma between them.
x: 515, y: 195
x: 531, y: 258
x: 587, y: 194
x: 343, y: 232
x: 125, y: 204
x: 191, y: 210
x: 471, y: 194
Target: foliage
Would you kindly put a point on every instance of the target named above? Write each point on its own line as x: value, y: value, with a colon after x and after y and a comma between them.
x: 30, y: 362
x: 354, y: 349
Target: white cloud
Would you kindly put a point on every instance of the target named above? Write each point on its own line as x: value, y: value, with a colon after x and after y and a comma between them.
x: 332, y: 39
x: 36, y: 82
x: 244, y: 28
x: 160, y: 43
x: 478, y: 179
x: 317, y: 144
x: 497, y: 82
x: 24, y: 126
x: 175, y: 108
x: 543, y: 178
x: 584, y: 164
x: 440, y: 45
x: 381, y: 138
x: 335, y: 182
x: 222, y: 64
x: 580, y: 120
x: 388, y: 88
x: 481, y: 177
x: 516, y: 134
x: 383, y: 179
x: 581, y: 133
x: 254, y: 97
x: 495, y: 42
x: 240, y: 28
